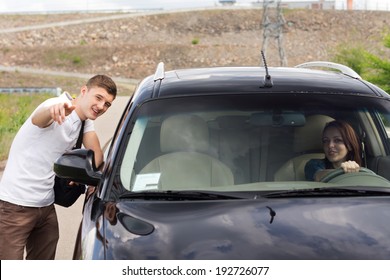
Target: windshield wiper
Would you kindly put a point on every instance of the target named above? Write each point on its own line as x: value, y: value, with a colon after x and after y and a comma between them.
x: 178, y: 195
x: 331, y: 192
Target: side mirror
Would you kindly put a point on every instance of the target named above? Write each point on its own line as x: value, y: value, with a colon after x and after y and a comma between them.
x: 79, y: 166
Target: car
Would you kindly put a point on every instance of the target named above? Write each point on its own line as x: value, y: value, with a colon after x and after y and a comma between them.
x: 208, y: 163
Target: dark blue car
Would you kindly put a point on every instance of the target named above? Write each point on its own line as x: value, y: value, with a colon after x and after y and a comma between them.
x: 209, y: 164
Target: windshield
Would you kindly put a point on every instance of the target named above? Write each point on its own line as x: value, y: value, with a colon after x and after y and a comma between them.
x: 247, y: 142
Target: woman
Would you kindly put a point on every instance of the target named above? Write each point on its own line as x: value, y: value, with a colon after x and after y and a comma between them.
x: 342, y: 150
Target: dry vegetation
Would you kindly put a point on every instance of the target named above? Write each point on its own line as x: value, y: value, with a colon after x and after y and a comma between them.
x: 131, y: 47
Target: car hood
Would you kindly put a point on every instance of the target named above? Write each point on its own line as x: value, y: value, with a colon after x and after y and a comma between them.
x: 295, y: 228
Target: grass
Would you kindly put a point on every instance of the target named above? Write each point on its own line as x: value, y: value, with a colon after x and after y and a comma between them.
x: 195, y: 41
x: 71, y: 57
x: 14, y: 111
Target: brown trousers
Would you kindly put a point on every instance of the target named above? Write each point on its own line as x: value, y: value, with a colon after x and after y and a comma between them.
x: 32, y: 228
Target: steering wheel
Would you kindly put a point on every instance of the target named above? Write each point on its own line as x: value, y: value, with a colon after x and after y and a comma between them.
x: 339, y: 171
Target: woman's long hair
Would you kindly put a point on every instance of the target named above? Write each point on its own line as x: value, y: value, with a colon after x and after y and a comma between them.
x: 350, y: 139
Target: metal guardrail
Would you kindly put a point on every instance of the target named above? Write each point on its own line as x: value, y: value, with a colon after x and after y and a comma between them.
x: 31, y: 90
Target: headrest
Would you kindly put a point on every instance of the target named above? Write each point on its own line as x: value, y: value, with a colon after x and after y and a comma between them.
x: 308, y: 138
x: 184, y: 133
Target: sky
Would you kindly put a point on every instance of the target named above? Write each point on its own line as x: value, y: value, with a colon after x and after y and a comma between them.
x: 18, y: 6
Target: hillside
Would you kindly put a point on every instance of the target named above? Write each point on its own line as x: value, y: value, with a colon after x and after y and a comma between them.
x: 131, y: 47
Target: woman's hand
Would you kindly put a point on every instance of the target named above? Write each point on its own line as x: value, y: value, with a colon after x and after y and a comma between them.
x: 350, y: 166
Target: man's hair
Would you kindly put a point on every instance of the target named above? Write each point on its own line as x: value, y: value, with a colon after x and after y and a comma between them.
x: 103, y: 81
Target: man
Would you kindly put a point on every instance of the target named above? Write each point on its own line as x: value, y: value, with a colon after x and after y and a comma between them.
x: 28, y: 218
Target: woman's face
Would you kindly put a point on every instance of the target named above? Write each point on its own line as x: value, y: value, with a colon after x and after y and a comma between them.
x: 334, y: 147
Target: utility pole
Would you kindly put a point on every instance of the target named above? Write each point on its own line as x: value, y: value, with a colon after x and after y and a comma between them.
x: 272, y: 23
x: 349, y: 4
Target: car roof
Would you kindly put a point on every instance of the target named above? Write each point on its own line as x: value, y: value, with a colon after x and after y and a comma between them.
x: 251, y: 80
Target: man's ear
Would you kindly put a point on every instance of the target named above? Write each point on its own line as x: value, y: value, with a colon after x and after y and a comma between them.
x: 83, y: 90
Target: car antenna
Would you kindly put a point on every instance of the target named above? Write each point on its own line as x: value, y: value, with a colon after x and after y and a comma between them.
x: 267, y: 80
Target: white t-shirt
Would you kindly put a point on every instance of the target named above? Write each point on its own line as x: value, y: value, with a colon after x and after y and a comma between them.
x: 28, y: 177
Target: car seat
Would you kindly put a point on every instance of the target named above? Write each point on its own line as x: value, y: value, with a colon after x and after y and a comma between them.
x: 307, y: 145
x: 185, y: 164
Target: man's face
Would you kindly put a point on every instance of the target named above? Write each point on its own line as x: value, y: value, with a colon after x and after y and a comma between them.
x: 95, y: 102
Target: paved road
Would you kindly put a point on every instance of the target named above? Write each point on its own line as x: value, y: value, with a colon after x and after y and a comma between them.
x: 131, y: 14
x: 86, y: 76
x: 69, y: 218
